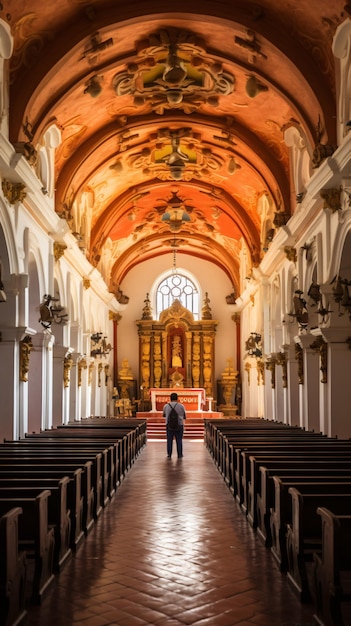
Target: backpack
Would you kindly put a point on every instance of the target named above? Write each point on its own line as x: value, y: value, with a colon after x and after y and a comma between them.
x: 173, y: 423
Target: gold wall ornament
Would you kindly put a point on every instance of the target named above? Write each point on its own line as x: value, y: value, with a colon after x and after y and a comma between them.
x: 145, y: 364
x: 100, y: 367
x: 59, y: 250
x: 332, y: 199
x: 82, y: 365
x: 86, y: 283
x: 27, y: 149
x: 114, y: 317
x: 290, y: 253
x: 248, y: 371
x: 270, y: 366
x: 157, y: 360
x: 299, y: 358
x: 282, y: 361
x: 196, y: 358
x: 319, y: 346
x: 67, y: 366
x: 260, y: 372
x: 26, y: 346
x: 13, y: 192
x: 90, y: 373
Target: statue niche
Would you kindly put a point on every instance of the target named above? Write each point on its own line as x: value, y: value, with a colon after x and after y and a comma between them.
x: 176, y: 357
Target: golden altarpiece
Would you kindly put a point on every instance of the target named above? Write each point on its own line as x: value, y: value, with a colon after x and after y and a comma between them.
x: 176, y: 350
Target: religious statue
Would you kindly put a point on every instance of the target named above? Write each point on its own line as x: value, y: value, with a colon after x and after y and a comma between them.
x: 177, y: 351
x: 125, y: 372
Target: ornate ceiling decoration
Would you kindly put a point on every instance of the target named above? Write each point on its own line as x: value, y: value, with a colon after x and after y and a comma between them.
x: 192, y: 104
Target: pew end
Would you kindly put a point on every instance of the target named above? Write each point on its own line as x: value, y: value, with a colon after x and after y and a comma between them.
x: 332, y: 570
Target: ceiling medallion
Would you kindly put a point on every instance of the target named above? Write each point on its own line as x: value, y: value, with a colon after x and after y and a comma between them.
x: 180, y: 155
x: 176, y: 213
x: 173, y: 71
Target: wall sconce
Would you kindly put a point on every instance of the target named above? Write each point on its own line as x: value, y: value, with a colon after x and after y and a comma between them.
x: 314, y: 293
x: 254, y: 345
x: 100, y: 345
x: 341, y: 295
x: 316, y: 298
x: 50, y: 313
x: 300, y: 310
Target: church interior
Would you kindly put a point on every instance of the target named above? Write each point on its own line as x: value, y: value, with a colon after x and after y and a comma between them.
x: 175, y: 214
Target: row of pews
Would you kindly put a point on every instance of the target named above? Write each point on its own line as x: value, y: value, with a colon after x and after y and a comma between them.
x: 294, y: 486
x: 53, y: 487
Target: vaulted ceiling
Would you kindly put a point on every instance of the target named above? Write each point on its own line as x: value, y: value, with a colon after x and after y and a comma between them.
x: 172, y: 117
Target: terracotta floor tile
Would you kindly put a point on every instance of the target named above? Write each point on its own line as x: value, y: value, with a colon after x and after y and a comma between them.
x: 171, y: 549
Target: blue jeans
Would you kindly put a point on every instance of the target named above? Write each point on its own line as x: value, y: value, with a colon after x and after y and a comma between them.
x: 178, y: 434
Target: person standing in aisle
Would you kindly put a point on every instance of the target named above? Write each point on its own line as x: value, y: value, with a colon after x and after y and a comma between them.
x: 175, y: 414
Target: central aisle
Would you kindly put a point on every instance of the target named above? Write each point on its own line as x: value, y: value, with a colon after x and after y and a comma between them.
x: 172, y: 548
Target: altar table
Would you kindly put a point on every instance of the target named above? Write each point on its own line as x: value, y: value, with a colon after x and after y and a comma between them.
x: 193, y: 398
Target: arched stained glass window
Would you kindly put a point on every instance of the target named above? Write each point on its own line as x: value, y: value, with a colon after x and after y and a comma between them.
x: 176, y: 286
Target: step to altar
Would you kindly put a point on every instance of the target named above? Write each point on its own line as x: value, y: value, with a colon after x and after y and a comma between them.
x: 194, y: 425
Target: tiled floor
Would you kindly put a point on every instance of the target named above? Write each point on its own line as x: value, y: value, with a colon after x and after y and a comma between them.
x: 172, y: 548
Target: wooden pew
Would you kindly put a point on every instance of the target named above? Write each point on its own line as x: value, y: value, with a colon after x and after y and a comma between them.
x: 133, y: 437
x: 58, y: 448
x: 61, y: 459
x: 74, y: 497
x: 251, y: 483
x: 292, y: 471
x: 282, y: 513
x: 245, y: 440
x: 12, y: 571
x: 332, y: 570
x: 80, y: 489
x: 304, y: 533
x: 58, y: 512
x: 125, y: 442
x: 247, y: 472
x: 36, y: 539
x: 277, y: 445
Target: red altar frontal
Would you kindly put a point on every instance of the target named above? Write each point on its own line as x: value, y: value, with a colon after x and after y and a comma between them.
x: 193, y: 398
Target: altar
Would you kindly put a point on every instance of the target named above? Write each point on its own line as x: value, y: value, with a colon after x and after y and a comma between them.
x: 194, y: 399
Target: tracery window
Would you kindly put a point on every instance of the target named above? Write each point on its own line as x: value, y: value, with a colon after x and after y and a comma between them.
x: 176, y: 286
